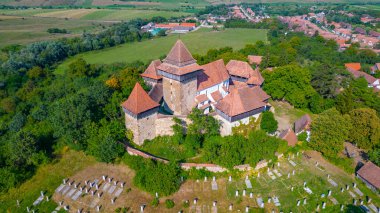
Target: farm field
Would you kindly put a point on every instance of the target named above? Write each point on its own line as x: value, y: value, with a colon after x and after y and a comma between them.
x: 18, y: 30
x: 198, y: 42
x: 93, y: 14
x: 266, y: 184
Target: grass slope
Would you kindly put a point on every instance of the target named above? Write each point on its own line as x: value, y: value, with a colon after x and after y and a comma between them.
x: 46, y: 179
x: 198, y: 42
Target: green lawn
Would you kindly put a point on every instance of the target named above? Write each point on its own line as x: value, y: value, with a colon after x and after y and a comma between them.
x: 47, y: 179
x: 198, y: 42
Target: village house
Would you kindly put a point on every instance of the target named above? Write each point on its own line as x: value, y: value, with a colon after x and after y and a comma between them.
x: 375, y: 68
x: 370, y: 175
x: 178, y: 84
x: 303, y: 125
x: 354, y: 69
x: 289, y: 136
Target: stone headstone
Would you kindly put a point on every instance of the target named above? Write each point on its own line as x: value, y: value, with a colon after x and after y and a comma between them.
x: 329, y: 193
x: 288, y: 175
x: 97, y: 208
x: 304, y: 184
x: 247, y: 209
x: 369, y: 200
x: 355, y: 202
x: 317, y: 207
x: 96, y: 186
x: 47, y: 198
x: 86, y: 190
x: 79, y: 211
x: 109, y: 180
x: 293, y: 172
x: 113, y: 200
x: 122, y: 184
x: 342, y: 189
x: 304, y: 201
x: 341, y: 207
x: 66, y: 208
x: 197, y: 181
x: 156, y: 194
x: 213, y: 178
x: 64, y: 181
x: 244, y: 192
x: 86, y: 182
x: 42, y: 193
x: 60, y: 203
x: 292, y: 188
x: 104, y: 177
x: 269, y: 199
x: 323, y: 205
x: 214, y: 203
x: 18, y: 203
x: 205, y: 178
x: 250, y: 195
x: 328, y: 176
x: 316, y: 163
x: 114, y: 182
x: 230, y: 207
x: 298, y: 202
x: 195, y: 201
x: 361, y: 202
x: 278, y: 164
x: 347, y: 187
x: 246, y: 177
x: 27, y: 209
x: 258, y: 174
x: 100, y: 194
x: 142, y: 208
x: 92, y: 192
x: 354, y: 185
x: 230, y: 178
x: 236, y: 193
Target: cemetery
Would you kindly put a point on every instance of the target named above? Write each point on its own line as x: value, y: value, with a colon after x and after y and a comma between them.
x: 296, y: 183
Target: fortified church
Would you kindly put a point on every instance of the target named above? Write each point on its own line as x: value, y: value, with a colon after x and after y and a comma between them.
x: 231, y: 93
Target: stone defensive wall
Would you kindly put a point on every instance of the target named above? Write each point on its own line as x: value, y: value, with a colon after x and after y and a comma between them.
x: 186, y: 166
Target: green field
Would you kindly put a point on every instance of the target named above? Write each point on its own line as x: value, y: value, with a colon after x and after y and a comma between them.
x: 113, y: 15
x: 31, y: 29
x: 198, y: 42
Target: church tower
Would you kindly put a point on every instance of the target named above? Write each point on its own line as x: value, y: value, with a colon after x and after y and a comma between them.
x: 140, y: 114
x: 179, y: 71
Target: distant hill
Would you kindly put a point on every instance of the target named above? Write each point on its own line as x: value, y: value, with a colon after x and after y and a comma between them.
x: 158, y: 3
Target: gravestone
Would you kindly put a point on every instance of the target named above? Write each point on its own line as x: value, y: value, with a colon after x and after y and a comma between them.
x: 247, y: 209
x: 298, y: 202
x: 304, y: 201
x: 244, y: 192
x: 214, y: 203
x: 195, y: 201
x: 323, y: 205
x: 97, y: 208
x: 250, y: 195
x: 156, y: 194
x: 341, y: 207
x: 205, y: 178
x: 229, y: 179
x: 317, y: 207
x: 269, y: 199
x: 329, y: 193
x: 142, y: 208
x: 236, y: 193
x: 230, y: 207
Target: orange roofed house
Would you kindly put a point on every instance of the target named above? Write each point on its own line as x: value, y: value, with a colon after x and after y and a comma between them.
x: 179, y: 84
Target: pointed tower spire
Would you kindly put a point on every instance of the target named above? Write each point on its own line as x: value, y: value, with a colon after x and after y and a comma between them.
x: 139, y: 101
x: 179, y: 55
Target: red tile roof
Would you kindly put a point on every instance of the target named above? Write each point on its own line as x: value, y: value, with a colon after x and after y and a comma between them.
x: 289, y: 136
x: 213, y: 73
x: 217, y: 96
x: 151, y: 71
x: 241, y: 100
x: 244, y: 70
x: 185, y: 24
x: 357, y: 74
x: 201, y: 98
x: 179, y: 61
x: 354, y: 66
x: 370, y: 173
x: 255, y: 59
x: 139, y: 101
x: 302, y: 124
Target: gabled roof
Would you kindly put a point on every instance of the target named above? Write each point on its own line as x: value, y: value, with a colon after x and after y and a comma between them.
x: 179, y: 61
x: 255, y: 59
x: 244, y: 70
x: 201, y: 98
x: 217, y: 96
x: 289, y: 136
x: 156, y: 93
x: 179, y: 55
x: 151, y: 71
x: 139, y: 101
x: 213, y: 73
x: 353, y: 66
x: 241, y: 100
x: 357, y: 74
x: 370, y: 173
x: 302, y: 124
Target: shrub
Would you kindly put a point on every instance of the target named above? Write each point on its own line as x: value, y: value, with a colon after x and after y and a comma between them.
x: 268, y: 123
x: 169, y: 203
x: 155, y: 202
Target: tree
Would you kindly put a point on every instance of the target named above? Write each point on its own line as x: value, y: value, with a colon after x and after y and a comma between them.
x: 329, y: 130
x: 374, y: 155
x: 202, y: 124
x: 268, y: 122
x: 366, y: 128
x: 291, y: 83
